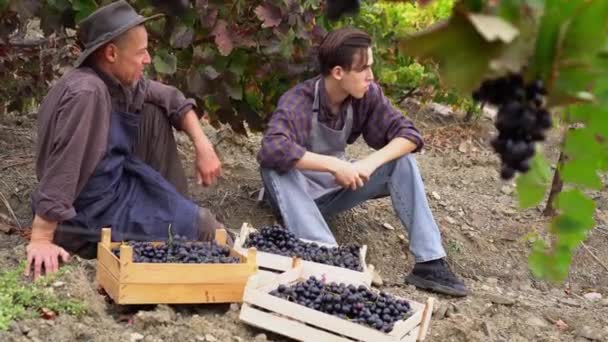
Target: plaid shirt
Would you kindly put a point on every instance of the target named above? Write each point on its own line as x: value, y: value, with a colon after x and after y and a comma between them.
x: 374, y: 117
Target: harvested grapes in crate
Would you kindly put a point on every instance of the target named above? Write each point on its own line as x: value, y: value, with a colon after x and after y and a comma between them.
x: 305, y: 307
x: 179, y: 250
x: 277, y: 246
x: 173, y: 272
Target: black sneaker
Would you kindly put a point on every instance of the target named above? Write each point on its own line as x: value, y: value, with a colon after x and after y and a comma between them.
x: 435, y: 275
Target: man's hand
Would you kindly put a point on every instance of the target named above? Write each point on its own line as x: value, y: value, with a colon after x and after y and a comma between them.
x: 208, y: 166
x: 365, y: 168
x: 347, y: 176
x: 44, y: 253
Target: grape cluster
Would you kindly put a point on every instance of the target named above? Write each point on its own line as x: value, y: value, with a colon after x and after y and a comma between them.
x: 356, y: 304
x: 179, y: 250
x: 277, y: 240
x: 521, y: 120
x: 334, y: 9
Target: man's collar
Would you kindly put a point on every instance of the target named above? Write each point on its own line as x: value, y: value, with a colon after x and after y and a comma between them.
x: 324, y: 106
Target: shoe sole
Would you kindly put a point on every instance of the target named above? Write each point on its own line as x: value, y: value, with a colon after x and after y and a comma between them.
x: 433, y: 286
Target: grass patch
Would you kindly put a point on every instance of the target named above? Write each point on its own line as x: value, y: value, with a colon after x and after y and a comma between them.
x: 21, y: 298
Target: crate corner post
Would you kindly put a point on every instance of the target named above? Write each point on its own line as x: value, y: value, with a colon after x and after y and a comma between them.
x: 426, y: 318
x: 106, y: 236
x: 221, y: 236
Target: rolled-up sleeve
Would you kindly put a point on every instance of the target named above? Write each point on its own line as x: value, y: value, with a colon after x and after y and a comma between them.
x: 385, y: 122
x: 79, y: 141
x: 280, y: 149
x: 171, y: 100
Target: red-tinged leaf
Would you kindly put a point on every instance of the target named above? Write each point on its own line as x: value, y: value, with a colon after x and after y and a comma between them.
x: 269, y: 14
x: 223, y: 39
x: 181, y: 37
x: 209, y: 17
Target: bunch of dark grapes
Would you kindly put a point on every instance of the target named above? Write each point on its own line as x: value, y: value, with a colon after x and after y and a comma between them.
x: 356, y: 304
x: 521, y: 120
x: 179, y: 250
x: 334, y: 9
x: 277, y: 240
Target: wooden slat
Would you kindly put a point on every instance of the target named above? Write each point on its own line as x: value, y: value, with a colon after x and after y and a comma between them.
x: 108, y: 260
x: 108, y: 282
x: 106, y: 237
x: 283, y: 263
x: 150, y: 273
x: 287, y: 327
x: 314, y: 317
x: 426, y: 319
x: 402, y: 328
x: 411, y: 336
x: 257, y: 290
x: 180, y: 293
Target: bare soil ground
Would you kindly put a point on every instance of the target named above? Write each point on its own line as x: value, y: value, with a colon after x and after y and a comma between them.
x: 483, y: 231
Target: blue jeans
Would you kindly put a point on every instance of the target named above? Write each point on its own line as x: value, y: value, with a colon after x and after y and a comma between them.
x: 400, y: 179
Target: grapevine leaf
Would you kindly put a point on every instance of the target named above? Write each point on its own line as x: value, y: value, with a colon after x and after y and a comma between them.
x: 165, y: 62
x: 181, y: 37
x: 223, y: 39
x: 462, y: 53
x: 581, y: 172
x: 269, y: 14
x: 493, y: 28
x: 531, y: 186
x: 84, y: 8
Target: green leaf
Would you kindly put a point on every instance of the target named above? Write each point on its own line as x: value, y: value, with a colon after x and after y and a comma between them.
x: 586, y: 33
x: 581, y: 143
x: 165, y: 62
x: 462, y: 54
x: 84, y: 8
x: 532, y: 185
x: 581, y: 172
x: 493, y: 28
x: 61, y: 5
x: 576, y: 203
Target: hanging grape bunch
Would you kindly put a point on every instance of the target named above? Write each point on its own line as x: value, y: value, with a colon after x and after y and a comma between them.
x: 179, y: 250
x: 356, y: 304
x: 521, y: 120
x: 278, y: 240
x: 334, y: 9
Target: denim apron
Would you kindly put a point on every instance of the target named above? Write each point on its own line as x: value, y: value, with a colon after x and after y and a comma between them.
x: 129, y: 196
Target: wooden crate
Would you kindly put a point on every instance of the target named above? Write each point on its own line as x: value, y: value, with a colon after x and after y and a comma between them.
x: 304, y: 324
x: 278, y: 263
x: 128, y: 282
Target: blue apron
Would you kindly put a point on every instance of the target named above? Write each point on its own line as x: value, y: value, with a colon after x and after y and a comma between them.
x: 129, y: 196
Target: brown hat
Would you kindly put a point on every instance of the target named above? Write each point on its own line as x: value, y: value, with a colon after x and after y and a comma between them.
x: 105, y: 24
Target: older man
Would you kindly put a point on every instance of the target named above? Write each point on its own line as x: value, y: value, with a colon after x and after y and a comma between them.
x: 106, y: 154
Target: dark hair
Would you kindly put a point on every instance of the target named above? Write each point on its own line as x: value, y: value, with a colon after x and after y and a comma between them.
x: 339, y: 48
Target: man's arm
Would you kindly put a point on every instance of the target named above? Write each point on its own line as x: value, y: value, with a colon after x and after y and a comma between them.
x: 208, y: 165
x: 79, y: 140
x: 387, y: 130
x: 41, y: 251
x: 181, y: 114
x: 398, y: 147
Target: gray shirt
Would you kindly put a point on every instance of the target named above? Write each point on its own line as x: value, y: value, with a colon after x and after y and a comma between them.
x: 73, y: 126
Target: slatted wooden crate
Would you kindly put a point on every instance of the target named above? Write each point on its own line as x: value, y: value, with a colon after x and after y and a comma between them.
x: 304, y: 324
x: 128, y: 282
x: 278, y: 263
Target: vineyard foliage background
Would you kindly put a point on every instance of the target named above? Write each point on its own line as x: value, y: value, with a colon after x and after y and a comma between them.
x: 237, y: 57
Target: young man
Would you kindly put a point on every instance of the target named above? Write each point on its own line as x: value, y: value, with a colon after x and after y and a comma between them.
x: 106, y: 154
x: 305, y: 172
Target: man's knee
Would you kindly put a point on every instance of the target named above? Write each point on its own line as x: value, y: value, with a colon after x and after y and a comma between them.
x: 406, y: 163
